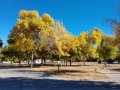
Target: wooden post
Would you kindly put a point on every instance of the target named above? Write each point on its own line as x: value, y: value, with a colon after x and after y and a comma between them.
x: 59, y: 63
x: 84, y: 62
x: 58, y: 68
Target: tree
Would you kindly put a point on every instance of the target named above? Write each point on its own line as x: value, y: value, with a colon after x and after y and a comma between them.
x: 60, y: 36
x: 115, y: 24
x: 12, y: 55
x: 1, y: 43
x: 73, y: 45
x: 84, y: 43
x: 26, y: 33
x: 107, y: 49
x: 89, y: 43
x: 118, y: 57
x: 96, y: 36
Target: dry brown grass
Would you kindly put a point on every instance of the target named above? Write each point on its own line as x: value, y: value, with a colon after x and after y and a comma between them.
x: 90, y: 72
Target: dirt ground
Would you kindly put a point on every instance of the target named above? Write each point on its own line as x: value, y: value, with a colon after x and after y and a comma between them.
x: 92, y: 71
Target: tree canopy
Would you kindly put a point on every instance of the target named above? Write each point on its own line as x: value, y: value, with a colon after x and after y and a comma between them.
x: 48, y: 38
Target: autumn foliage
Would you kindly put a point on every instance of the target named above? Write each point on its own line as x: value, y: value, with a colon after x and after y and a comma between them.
x: 48, y: 38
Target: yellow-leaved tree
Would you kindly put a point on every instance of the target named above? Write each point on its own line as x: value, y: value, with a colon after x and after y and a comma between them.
x: 84, y: 40
x: 96, y: 35
x: 88, y: 44
x: 64, y: 43
x: 107, y: 49
x: 61, y: 37
x: 27, y: 31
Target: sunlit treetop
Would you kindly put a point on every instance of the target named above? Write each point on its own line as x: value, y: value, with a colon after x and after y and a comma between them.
x: 96, y: 36
x: 48, y: 20
x: 28, y: 14
x: 27, y: 31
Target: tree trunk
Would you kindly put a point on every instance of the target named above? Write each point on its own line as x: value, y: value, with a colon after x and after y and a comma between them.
x: 11, y: 62
x: 105, y: 63
x: 66, y: 62
x: 27, y: 62
x: 32, y: 59
x: 44, y: 61
x: 19, y: 62
x: 52, y: 60
x: 70, y: 61
x: 84, y: 62
x: 118, y: 61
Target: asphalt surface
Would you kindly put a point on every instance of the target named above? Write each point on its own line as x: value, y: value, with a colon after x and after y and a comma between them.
x: 24, y: 79
x: 113, y: 75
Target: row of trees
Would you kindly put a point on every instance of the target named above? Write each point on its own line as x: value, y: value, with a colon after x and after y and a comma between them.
x: 36, y: 36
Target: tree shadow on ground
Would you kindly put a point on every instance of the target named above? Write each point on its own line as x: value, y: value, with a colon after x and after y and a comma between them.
x: 117, y: 69
x: 9, y: 66
x: 20, y: 83
x: 37, y: 73
x: 70, y: 71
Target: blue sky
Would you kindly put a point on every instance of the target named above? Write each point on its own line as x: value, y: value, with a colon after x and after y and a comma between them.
x: 77, y: 15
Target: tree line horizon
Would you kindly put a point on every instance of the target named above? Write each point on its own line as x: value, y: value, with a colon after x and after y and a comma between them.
x: 36, y: 36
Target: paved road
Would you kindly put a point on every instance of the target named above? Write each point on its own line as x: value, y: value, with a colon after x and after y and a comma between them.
x: 113, y: 75
x: 24, y: 79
